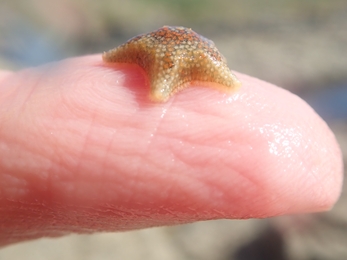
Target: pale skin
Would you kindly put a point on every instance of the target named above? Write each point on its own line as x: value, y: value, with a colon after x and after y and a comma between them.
x: 83, y: 149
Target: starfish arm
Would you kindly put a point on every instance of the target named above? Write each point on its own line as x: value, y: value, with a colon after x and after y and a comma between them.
x: 173, y: 57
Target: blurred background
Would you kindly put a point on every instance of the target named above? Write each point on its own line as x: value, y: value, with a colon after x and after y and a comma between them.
x: 300, y: 45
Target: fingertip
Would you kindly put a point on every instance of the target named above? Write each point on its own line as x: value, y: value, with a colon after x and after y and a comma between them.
x: 257, y: 152
x: 4, y: 74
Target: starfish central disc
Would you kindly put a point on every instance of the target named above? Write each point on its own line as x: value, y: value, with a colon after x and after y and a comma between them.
x: 172, y: 57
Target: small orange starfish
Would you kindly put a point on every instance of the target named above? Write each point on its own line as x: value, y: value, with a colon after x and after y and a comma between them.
x: 173, y: 57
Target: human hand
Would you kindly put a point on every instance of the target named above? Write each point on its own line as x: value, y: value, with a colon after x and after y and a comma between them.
x: 82, y: 149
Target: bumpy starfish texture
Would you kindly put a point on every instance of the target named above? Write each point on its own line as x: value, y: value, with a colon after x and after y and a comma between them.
x: 173, y: 57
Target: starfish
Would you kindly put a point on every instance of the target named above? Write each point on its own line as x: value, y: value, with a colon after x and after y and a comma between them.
x: 172, y: 58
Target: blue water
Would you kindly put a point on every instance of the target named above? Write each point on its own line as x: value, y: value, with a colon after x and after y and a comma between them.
x: 24, y: 45
x: 330, y: 103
